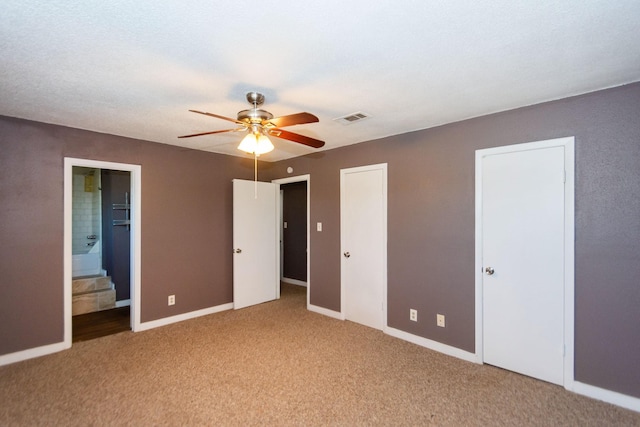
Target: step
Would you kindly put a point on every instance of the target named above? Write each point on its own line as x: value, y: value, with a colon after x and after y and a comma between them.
x: 89, y: 284
x: 88, y: 302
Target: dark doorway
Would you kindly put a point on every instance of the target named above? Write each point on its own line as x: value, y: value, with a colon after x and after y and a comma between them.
x: 294, y: 233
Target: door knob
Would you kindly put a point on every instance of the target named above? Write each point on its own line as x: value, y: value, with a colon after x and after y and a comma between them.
x: 489, y: 271
x: 237, y: 251
x: 347, y: 254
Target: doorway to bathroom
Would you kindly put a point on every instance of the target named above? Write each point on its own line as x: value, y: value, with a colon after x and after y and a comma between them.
x: 101, y: 252
x: 102, y: 235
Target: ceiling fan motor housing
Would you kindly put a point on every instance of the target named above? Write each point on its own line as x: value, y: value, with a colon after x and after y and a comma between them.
x: 254, y: 116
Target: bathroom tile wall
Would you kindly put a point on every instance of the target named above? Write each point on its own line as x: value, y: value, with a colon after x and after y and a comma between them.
x: 86, y: 208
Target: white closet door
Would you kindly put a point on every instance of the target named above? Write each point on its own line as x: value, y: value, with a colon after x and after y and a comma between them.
x: 523, y: 261
x: 364, y: 234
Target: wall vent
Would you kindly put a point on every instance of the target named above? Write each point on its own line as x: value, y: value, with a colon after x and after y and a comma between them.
x: 352, y: 118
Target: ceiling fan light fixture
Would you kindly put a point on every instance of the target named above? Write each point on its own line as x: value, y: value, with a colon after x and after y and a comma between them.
x: 255, y: 143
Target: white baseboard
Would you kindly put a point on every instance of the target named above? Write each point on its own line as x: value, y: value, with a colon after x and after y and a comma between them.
x: 433, y: 345
x: 615, y: 398
x: 294, y: 281
x: 31, y: 353
x: 325, y: 311
x: 123, y: 303
x: 185, y: 316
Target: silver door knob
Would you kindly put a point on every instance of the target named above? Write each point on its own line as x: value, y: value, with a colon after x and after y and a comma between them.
x: 237, y: 251
x: 347, y: 254
x: 489, y: 271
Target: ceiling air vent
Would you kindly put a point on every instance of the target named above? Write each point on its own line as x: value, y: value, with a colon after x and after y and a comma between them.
x: 352, y: 118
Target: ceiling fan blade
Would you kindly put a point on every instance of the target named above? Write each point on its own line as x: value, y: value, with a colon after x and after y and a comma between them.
x: 229, y: 119
x: 292, y: 119
x: 296, y: 137
x: 211, y: 133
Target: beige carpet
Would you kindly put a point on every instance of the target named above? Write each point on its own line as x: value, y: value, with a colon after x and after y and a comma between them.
x: 278, y: 364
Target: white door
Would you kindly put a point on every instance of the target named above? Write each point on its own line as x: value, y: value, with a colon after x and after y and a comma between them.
x: 523, y: 261
x: 363, y: 211
x: 255, y: 243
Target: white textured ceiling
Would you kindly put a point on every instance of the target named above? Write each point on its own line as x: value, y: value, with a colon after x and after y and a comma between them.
x: 134, y: 68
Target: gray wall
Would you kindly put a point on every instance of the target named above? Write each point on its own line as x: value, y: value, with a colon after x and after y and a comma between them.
x: 186, y: 230
x: 431, y: 224
x: 186, y: 226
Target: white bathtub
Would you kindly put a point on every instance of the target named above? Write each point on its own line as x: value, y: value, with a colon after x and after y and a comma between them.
x: 88, y: 264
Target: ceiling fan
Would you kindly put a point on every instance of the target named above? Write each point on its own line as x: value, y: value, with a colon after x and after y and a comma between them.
x: 260, y: 124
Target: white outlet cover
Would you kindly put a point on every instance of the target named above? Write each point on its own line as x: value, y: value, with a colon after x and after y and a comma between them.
x: 440, y: 320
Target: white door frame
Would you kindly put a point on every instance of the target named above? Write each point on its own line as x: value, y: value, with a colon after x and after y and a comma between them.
x: 136, y: 205
x: 569, y: 247
x: 299, y: 178
x: 343, y: 172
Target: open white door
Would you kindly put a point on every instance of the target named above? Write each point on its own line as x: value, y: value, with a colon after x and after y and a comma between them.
x: 255, y: 243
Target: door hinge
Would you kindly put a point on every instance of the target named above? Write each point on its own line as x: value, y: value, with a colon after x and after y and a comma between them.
x: 564, y: 177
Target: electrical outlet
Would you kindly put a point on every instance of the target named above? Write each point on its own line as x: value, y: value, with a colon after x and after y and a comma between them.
x: 440, y: 320
x: 172, y: 300
x: 413, y: 315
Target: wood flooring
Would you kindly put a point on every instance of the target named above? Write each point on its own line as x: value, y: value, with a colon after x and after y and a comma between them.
x: 100, y: 323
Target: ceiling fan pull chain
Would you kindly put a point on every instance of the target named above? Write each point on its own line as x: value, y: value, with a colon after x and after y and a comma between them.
x: 255, y: 173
